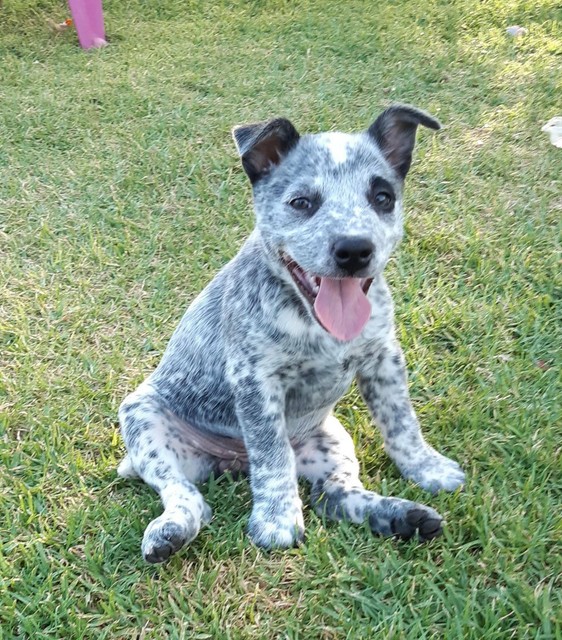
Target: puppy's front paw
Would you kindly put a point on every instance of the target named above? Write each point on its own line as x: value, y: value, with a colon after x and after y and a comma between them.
x: 273, y: 525
x: 434, y: 472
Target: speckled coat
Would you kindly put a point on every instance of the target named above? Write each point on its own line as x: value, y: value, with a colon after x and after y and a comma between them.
x: 258, y: 360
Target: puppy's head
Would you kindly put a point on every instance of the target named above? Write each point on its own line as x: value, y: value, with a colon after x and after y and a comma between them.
x: 329, y: 206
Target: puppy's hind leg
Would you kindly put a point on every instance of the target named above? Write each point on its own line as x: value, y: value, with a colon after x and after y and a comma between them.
x: 159, y: 453
x: 328, y: 461
x: 126, y: 469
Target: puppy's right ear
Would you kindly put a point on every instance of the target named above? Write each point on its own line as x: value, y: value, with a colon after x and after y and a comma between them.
x: 263, y: 145
x: 395, y: 133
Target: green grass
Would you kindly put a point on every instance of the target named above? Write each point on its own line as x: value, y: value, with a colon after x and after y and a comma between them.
x: 120, y: 197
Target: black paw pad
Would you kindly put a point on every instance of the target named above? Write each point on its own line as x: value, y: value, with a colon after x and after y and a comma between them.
x: 164, y: 542
x: 427, y: 524
x: 158, y: 554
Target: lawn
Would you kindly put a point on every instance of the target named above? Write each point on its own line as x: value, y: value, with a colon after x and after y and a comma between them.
x: 121, y: 195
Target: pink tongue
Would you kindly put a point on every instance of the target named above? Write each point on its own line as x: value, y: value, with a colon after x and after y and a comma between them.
x: 341, y: 307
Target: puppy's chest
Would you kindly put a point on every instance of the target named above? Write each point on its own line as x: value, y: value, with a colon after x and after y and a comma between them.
x: 312, y: 385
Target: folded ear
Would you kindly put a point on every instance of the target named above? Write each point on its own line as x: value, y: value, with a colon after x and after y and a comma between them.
x: 264, y: 144
x: 395, y: 133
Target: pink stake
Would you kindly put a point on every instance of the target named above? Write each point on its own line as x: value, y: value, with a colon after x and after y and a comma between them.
x: 87, y: 16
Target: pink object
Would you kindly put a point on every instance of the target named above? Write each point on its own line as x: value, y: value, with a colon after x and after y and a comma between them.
x: 87, y: 16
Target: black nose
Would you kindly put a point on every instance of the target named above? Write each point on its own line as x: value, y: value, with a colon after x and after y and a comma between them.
x: 353, y: 254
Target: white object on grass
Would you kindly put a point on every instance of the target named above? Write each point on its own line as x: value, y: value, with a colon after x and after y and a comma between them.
x: 554, y: 129
x: 515, y: 31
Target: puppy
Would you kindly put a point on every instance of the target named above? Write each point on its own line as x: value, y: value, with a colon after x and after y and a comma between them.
x: 251, y: 375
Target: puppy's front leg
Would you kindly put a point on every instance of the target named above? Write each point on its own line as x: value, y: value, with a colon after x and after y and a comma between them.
x: 383, y: 384
x: 276, y: 519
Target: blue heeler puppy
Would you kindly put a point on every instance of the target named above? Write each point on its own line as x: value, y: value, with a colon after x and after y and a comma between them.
x: 251, y: 375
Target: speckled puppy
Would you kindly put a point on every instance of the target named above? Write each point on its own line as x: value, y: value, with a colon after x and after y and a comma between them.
x: 252, y: 373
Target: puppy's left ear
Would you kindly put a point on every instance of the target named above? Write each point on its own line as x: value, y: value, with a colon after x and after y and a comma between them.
x: 394, y: 132
x: 264, y: 145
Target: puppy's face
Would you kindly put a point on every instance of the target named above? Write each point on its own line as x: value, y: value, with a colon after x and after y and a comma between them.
x: 331, y: 187
x: 329, y: 207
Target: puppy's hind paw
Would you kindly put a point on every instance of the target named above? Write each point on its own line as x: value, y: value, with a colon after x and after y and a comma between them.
x: 404, y: 519
x: 165, y: 536
x: 126, y: 469
x: 427, y: 524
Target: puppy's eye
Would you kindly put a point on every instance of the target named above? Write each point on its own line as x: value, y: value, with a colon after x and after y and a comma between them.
x: 381, y: 195
x: 301, y: 204
x: 383, y: 201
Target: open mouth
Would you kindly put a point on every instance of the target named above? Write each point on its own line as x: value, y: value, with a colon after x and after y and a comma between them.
x: 340, y: 305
